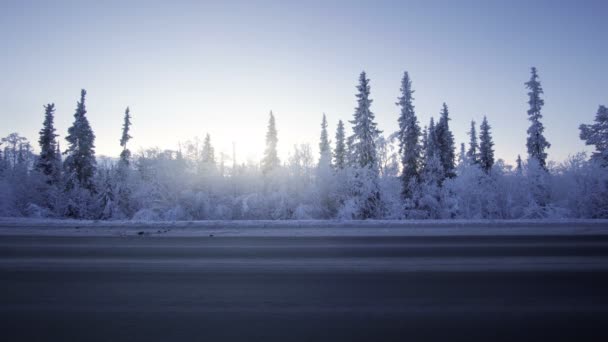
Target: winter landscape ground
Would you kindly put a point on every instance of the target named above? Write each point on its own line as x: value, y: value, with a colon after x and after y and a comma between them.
x: 304, y: 280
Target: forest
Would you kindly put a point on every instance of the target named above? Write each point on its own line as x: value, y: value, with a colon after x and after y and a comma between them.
x: 418, y: 172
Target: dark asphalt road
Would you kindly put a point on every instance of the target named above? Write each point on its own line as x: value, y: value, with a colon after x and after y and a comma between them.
x: 304, y: 288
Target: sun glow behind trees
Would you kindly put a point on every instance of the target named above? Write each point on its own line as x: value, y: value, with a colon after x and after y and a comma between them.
x: 403, y: 175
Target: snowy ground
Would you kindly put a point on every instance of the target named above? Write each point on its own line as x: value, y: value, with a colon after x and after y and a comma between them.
x: 20, y: 226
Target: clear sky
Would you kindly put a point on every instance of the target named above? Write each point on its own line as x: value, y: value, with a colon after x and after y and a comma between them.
x: 188, y: 68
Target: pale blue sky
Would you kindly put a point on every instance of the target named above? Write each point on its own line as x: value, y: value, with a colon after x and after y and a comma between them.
x: 188, y: 68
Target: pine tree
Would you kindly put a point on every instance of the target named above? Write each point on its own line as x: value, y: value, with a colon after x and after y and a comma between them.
x: 473, y: 152
x: 340, y: 151
x: 208, y: 153
x: 486, y: 151
x: 271, y: 158
x: 47, y: 162
x: 536, y: 142
x: 408, y: 135
x: 324, y: 148
x: 445, y: 140
x: 597, y: 135
x: 125, y: 155
x: 365, y: 132
x: 80, y: 162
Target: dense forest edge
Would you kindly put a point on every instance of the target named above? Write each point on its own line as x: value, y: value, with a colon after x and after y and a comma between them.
x: 416, y: 173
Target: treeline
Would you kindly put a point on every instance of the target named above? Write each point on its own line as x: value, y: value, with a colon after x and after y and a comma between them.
x: 414, y: 173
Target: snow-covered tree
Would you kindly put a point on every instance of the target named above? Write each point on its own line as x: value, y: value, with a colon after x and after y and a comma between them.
x: 47, y: 162
x: 432, y: 174
x: 271, y: 158
x: 324, y: 147
x: 597, y: 135
x: 364, y: 153
x: 340, y: 150
x: 408, y: 136
x: 80, y: 164
x: 473, y: 152
x: 125, y: 155
x: 387, y: 151
x: 431, y: 142
x: 445, y: 140
x: 486, y: 146
x: 117, y: 183
x: 536, y: 143
x: 365, y: 131
x: 13, y: 149
x: 106, y: 198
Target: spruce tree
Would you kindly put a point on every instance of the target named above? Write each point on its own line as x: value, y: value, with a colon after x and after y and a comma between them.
x: 125, y: 155
x: 432, y: 174
x: 365, y: 132
x: 324, y: 148
x: 432, y: 142
x: 597, y: 135
x: 47, y: 162
x: 271, y: 158
x: 80, y: 162
x: 408, y: 135
x: 364, y: 155
x: 445, y: 140
x: 123, y: 187
x: 473, y: 152
x: 536, y: 142
x: 486, y: 150
x: 340, y: 151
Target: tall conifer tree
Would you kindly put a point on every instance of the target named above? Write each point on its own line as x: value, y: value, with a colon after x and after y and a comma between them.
x: 409, y: 136
x: 125, y: 155
x: 365, y: 132
x: 340, y: 150
x: 48, y: 161
x: 486, y: 146
x: 473, y: 152
x: 271, y: 158
x: 445, y: 140
x: 324, y: 148
x: 536, y: 143
x: 80, y: 162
